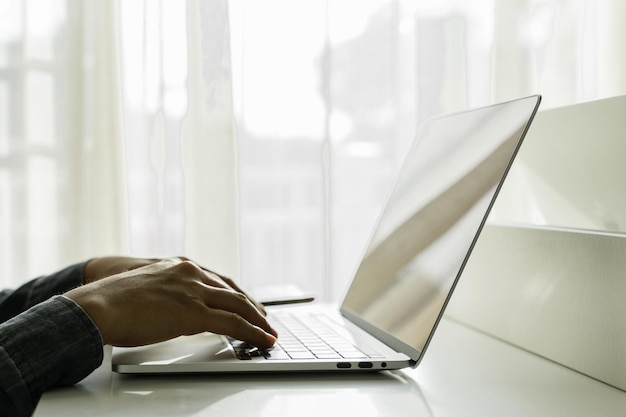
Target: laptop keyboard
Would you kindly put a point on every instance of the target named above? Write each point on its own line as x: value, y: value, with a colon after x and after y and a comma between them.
x: 303, y: 336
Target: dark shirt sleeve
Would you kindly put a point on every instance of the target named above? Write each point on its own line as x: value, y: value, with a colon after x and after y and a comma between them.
x: 40, y: 289
x: 54, y: 343
x: 45, y: 341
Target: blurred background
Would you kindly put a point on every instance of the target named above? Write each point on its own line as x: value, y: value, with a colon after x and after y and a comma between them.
x: 259, y: 138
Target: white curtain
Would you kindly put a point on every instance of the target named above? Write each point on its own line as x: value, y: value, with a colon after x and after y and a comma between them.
x: 117, y: 131
x: 179, y: 131
x: 329, y: 94
x: 61, y: 166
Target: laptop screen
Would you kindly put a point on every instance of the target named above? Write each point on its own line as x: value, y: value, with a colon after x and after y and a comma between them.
x: 438, y: 205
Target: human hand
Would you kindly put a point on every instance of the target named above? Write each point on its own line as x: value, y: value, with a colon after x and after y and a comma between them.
x: 106, y: 266
x: 99, y: 268
x: 169, y: 298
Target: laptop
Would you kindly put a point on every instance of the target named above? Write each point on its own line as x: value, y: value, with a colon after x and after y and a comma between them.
x: 416, y: 254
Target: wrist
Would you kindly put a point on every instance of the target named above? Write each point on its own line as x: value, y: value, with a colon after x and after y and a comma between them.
x: 93, y: 305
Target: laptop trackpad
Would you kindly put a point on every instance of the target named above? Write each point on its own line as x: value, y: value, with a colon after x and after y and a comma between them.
x: 185, y: 349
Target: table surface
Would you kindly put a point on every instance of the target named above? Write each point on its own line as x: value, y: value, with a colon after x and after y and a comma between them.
x: 464, y: 373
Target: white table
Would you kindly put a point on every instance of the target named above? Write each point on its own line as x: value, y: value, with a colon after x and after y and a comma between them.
x: 465, y: 373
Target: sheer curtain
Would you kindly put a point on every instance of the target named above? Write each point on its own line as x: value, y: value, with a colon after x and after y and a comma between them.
x: 260, y: 138
x: 116, y: 133
x: 329, y: 94
x: 61, y: 165
x: 179, y: 131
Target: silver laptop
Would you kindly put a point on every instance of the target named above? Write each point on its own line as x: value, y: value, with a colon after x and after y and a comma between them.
x: 437, y: 207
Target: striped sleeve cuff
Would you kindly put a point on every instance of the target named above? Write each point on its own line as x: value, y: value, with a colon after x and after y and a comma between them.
x: 52, y: 344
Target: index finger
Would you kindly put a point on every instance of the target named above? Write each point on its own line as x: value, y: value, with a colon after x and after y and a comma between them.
x: 236, y: 302
x: 232, y: 324
x: 230, y: 282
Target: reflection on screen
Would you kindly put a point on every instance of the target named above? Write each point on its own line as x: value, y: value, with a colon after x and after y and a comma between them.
x: 444, y: 190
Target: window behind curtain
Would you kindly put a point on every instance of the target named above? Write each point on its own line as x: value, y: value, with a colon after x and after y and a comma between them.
x: 178, y: 125
x: 32, y: 75
x: 87, y: 171
x: 328, y: 95
x: 59, y: 143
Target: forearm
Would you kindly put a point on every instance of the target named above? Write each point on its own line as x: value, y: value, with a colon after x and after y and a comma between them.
x: 52, y: 344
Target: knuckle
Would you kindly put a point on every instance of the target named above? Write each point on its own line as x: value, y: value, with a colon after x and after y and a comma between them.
x: 186, y: 267
x: 246, y: 303
x: 227, y: 280
x: 236, y: 321
x: 241, y: 297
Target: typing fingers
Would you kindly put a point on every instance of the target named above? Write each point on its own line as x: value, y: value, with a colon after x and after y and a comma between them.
x: 232, y: 284
x: 239, y: 316
x: 217, y: 280
x: 235, y: 302
x: 232, y: 324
